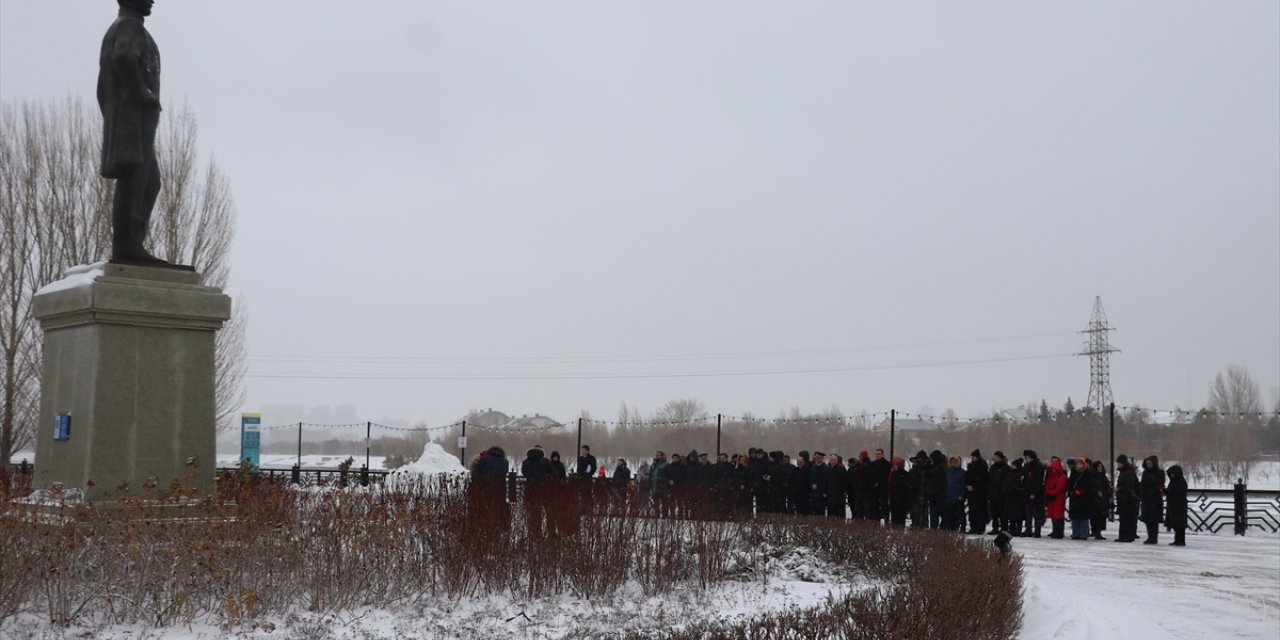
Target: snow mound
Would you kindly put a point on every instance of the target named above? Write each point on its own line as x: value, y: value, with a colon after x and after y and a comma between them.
x: 78, y: 276
x: 432, y: 464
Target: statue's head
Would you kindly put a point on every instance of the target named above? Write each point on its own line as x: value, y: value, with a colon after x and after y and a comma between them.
x: 141, y: 6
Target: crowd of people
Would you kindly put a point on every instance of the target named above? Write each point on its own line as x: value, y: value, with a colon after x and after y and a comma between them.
x: 934, y: 491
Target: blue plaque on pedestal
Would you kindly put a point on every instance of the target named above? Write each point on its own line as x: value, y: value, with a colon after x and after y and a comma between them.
x: 62, y: 426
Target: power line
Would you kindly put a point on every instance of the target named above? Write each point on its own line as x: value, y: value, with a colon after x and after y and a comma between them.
x: 655, y: 358
x: 621, y: 376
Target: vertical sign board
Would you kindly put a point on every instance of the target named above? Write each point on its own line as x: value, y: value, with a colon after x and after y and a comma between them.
x: 250, y: 437
x: 62, y: 426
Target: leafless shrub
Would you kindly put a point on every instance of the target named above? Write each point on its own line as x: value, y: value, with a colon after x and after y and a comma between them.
x: 264, y: 549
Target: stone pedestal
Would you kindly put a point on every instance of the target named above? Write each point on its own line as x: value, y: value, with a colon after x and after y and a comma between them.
x: 129, y: 369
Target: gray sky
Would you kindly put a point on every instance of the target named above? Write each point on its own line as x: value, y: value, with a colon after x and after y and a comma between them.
x: 514, y: 184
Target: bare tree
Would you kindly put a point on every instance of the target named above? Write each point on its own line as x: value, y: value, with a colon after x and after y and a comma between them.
x: 682, y: 410
x: 1235, y: 394
x: 55, y: 213
x: 1237, y: 399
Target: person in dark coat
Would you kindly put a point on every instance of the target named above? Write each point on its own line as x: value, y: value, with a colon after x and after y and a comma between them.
x: 537, y: 471
x: 557, y: 467
x: 953, y: 517
x: 936, y: 488
x: 1033, y: 476
x: 795, y: 485
x: 492, y: 465
x: 1126, y: 499
x: 778, y: 480
x: 976, y: 476
x: 1100, y: 499
x: 621, y: 472
x: 859, y: 477
x: 996, y: 475
x: 1152, y: 492
x: 877, y: 487
x: 757, y: 470
x: 1175, y: 516
x: 817, y: 484
x: 536, y: 467
x: 797, y: 498
x: 485, y: 493
x: 901, y: 493
x: 920, y: 467
x: 853, y: 486
x: 1078, y: 498
x: 837, y: 487
x: 1015, y: 509
x: 586, y: 463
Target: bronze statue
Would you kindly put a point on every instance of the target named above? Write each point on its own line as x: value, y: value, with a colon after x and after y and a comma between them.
x: 129, y: 97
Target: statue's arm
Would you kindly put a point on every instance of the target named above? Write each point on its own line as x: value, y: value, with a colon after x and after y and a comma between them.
x: 126, y: 61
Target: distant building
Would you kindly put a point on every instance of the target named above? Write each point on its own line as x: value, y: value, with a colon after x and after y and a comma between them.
x: 907, y: 424
x: 500, y: 421
x: 1020, y: 414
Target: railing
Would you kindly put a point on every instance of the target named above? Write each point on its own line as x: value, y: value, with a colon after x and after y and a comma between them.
x: 1240, y: 508
x: 317, y: 476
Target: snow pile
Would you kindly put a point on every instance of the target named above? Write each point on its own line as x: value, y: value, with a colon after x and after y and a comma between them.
x: 433, y: 463
x: 75, y: 277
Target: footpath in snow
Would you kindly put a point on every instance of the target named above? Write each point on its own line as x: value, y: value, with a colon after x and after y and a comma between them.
x: 1216, y: 588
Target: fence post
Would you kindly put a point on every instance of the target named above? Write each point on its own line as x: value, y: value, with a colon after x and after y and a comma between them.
x: 299, y: 445
x: 893, y: 427
x: 368, y: 437
x: 718, y: 417
x: 577, y: 453
x: 1111, y: 459
x: 296, y: 476
x: 364, y: 476
x: 462, y: 449
x: 1242, y: 508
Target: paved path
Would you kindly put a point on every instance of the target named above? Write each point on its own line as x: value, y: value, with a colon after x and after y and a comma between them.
x: 1216, y: 588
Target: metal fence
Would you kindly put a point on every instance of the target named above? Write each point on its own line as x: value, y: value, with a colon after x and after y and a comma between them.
x: 1239, y: 510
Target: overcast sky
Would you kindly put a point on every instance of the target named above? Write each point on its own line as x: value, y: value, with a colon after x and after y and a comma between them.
x: 523, y: 189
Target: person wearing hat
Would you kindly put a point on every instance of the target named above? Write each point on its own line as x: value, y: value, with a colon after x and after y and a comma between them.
x: 976, y: 476
x: 996, y: 475
x: 1126, y: 499
x: 1078, y: 498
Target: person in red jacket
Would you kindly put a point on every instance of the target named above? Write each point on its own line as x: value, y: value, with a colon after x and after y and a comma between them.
x: 1055, y: 496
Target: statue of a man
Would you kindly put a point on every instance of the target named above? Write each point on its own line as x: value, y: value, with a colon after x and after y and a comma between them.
x: 129, y: 96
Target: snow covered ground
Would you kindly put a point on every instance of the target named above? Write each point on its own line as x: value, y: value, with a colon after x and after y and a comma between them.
x: 1215, y: 588
x: 792, y: 579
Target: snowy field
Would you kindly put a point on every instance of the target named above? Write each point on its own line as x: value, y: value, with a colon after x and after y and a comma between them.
x: 1215, y: 588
